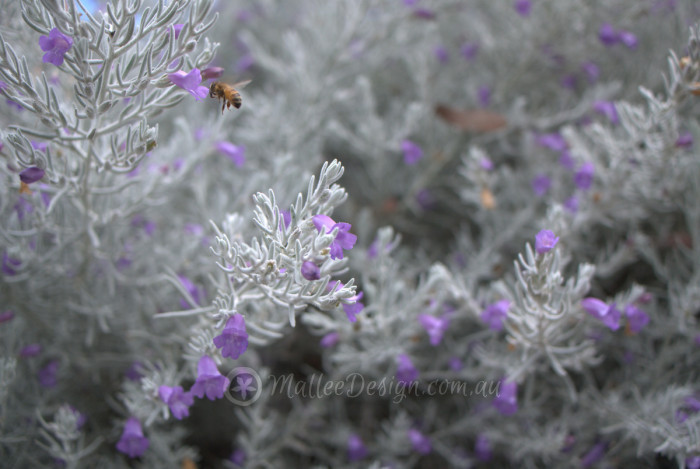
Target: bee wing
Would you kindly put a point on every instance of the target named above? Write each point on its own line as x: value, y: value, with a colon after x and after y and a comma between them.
x: 241, y: 84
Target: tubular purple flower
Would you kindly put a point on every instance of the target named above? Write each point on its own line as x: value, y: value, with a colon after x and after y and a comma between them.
x: 329, y: 340
x: 435, y: 327
x: 495, y: 314
x: 352, y: 309
x: 545, y: 241
x: 235, y: 152
x: 6, y: 316
x: 31, y: 175
x: 420, y: 443
x: 469, y: 50
x: 343, y: 240
x: 591, y: 71
x: 233, y: 340
x: 56, y: 44
x: 412, y: 153
x: 482, y: 448
x: 636, y: 318
x: 629, y: 39
x: 523, y: 7
x: 356, y: 448
x: 506, y: 402
x: 607, y: 108
x: 609, y: 315
x: 594, y: 455
x: 441, y: 54
x: 607, y: 35
x: 47, y: 375
x: 211, y: 73
x: 541, y: 184
x: 31, y: 350
x: 190, y: 82
x: 209, y: 380
x: 178, y: 401
x: 484, y: 95
x: 685, y: 140
x: 406, y: 373
x: 583, y: 178
x: 132, y: 442
x: 553, y: 141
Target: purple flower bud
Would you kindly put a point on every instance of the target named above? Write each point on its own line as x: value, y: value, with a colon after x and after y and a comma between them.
x: 356, y: 448
x: 545, y: 241
x: 541, y: 184
x: 329, y: 340
x: 406, y: 373
x: 484, y: 95
x: 629, y: 39
x: 523, y: 7
x: 412, y: 153
x: 506, y: 402
x: 441, y: 54
x: 31, y: 174
x: 469, y: 50
x: 482, y: 448
x: 31, y: 350
x: 237, y: 457
x: 608, y: 35
x: 553, y: 141
x: 211, y: 73
x: 571, y: 204
x: 594, y: 455
x: 6, y: 316
x: 236, y: 153
x: 420, y: 443
x: 636, y: 318
x: 591, y: 71
x: 495, y: 314
x: 685, y: 140
x: 178, y: 28
x: 607, y: 108
x: 47, y: 375
x: 609, y: 315
x: 310, y: 271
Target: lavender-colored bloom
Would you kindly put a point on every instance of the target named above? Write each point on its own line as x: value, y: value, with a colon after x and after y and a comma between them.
x: 685, y: 140
x: 406, y: 373
x: 607, y: 35
x: 56, y: 44
x: 553, y: 141
x: 607, y: 108
x: 31, y: 175
x: 506, y: 402
x: 636, y: 318
x: 41, y: 146
x: 469, y: 50
x: 484, y: 95
x: 541, y: 184
x: 310, y: 271
x: 420, y: 443
x: 356, y: 448
x: 693, y: 403
x: 132, y: 442
x: 424, y: 13
x: 425, y: 199
x: 209, y: 380
x: 523, y: 7
x: 545, y: 241
x: 190, y: 82
x: 566, y: 160
x: 495, y: 314
x: 6, y: 316
x: 482, y: 448
x: 235, y: 152
x: 343, y: 240
x: 486, y: 164
x: 591, y: 71
x: 455, y: 364
x: 571, y: 204
x: 178, y: 29
x: 9, y: 264
x: 233, y: 340
x: 31, y: 350
x: 435, y: 327
x: 194, y: 291
x: 412, y: 153
x: 47, y: 375
x: 441, y: 54
x: 569, y: 81
x: 133, y: 373
x: 594, y: 455
x: 211, y: 73
x: 329, y: 340
x: 629, y: 39
x: 608, y: 314
x: 286, y: 217
x: 353, y: 309
x: 178, y: 401
x: 692, y: 462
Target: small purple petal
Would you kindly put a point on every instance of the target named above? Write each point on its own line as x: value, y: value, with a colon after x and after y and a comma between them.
x: 545, y: 240
x: 523, y: 7
x: 310, y: 271
x: 356, y: 448
x: 412, y: 153
x: 31, y: 175
x: 495, y: 314
x: 608, y: 35
x: 420, y: 443
x: 541, y: 184
x: 506, y: 402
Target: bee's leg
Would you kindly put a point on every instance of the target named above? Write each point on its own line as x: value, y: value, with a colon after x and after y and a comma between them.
x: 222, y: 106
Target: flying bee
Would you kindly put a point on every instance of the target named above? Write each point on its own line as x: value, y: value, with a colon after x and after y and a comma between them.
x: 227, y: 93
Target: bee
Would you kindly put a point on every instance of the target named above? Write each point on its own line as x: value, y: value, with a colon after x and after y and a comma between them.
x: 228, y: 93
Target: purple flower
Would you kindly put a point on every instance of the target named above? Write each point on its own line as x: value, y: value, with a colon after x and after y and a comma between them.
x: 692, y: 462
x: 469, y: 50
x: 406, y: 373
x: 523, y: 7
x: 609, y: 315
x: 591, y: 71
x: 286, y: 217
x: 541, y: 184
x: 441, y: 54
x: 329, y: 340
x: 133, y: 373
x: 343, y: 240
x: 178, y: 28
x: 352, y: 309
x: 594, y: 455
x: 356, y: 448
x: 41, y: 146
x: 506, y: 402
x: 209, y: 380
x: 545, y: 241
x: 607, y: 108
x: 31, y: 350
x: 484, y: 95
x: 47, y: 375
x: 31, y: 174
x: 553, y: 141
x: 569, y: 82
x: 190, y: 82
x: 412, y: 153
x: 237, y: 457
x: 685, y: 140
x: 9, y: 264
x: 482, y: 448
x: 235, y: 152
x: 178, y: 400
x: 132, y: 442
x: 486, y: 164
x: 607, y: 35
x: 636, y: 318
x: 455, y: 364
x: 571, y: 204
x: 495, y: 314
x: 629, y: 39
x: 566, y: 160
x: 6, y: 316
x: 583, y: 178
x: 425, y: 199
x: 56, y: 44
x: 435, y: 327
x: 310, y: 271
x: 194, y: 291
x: 420, y: 443
x: 211, y: 73
x: 424, y: 13
x: 233, y: 340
